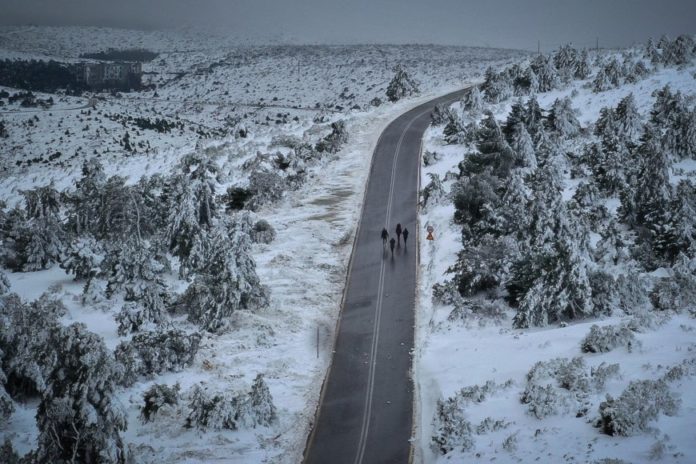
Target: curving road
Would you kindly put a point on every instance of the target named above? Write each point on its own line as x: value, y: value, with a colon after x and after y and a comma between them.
x: 366, y: 409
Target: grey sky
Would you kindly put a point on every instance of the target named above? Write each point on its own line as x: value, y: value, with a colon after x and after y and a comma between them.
x: 497, y: 23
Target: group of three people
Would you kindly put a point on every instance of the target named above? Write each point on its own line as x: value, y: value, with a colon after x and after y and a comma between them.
x: 393, y: 241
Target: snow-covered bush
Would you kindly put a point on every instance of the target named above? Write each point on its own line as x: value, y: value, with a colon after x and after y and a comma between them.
x: 158, y: 396
x: 602, y: 373
x: 150, y: 353
x: 440, y: 115
x: 639, y: 404
x: 333, y: 142
x: 433, y: 192
x: 265, y: 187
x: 401, y: 85
x: 262, y: 232
x: 541, y: 400
x: 78, y: 418
x: 451, y: 428
x: 431, y: 157
x: 606, y: 338
x: 230, y: 410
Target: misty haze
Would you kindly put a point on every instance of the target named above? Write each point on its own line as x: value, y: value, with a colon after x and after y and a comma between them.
x: 347, y: 232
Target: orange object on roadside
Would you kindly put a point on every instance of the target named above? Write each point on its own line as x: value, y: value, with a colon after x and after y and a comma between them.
x: 430, y: 236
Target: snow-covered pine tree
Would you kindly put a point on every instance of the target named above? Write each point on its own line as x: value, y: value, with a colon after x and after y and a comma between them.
x: 516, y: 115
x: 546, y: 74
x: 628, y: 120
x: 565, y: 61
x: 401, y: 85
x: 678, y: 233
x: 227, y: 281
x: 156, y: 352
x: 85, y: 201
x: 262, y: 406
x: 44, y: 228
x: 4, y: 284
x: 561, y: 119
x: 646, y: 197
x: 525, y: 82
x: 534, y: 118
x: 25, y: 343
x: 132, y: 266
x: 562, y: 290
x: 522, y: 145
x: 496, y: 86
x: 651, y: 52
x: 79, y: 419
x: 473, y: 101
x: 582, y: 66
x: 612, y: 249
x: 440, y: 115
x: 454, y: 131
x: 183, y: 228
x: 83, y: 258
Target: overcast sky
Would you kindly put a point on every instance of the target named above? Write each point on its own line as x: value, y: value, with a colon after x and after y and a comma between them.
x: 495, y: 23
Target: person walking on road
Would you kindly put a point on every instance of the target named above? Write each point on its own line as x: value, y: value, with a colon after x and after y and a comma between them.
x: 398, y: 233
x: 392, y: 242
x: 405, y: 232
x: 385, y: 236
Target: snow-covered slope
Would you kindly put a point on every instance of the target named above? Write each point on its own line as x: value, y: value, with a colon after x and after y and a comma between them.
x: 482, y: 394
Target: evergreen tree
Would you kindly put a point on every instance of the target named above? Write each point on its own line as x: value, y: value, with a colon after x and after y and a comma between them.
x: 83, y: 258
x: 78, y: 418
x: 651, y: 52
x: 522, y: 144
x: 262, y: 406
x: 85, y: 201
x: 183, y: 228
x: 565, y: 60
x: 227, y: 281
x: 496, y: 86
x: 628, y: 119
x: 562, y: 120
x: 546, y: 74
x: 533, y: 118
x: 516, y: 115
x: 582, y: 66
x: 473, y: 101
x: 560, y: 289
x: 401, y: 85
x: 612, y: 248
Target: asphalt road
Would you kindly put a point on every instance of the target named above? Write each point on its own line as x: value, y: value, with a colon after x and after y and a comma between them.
x: 366, y: 411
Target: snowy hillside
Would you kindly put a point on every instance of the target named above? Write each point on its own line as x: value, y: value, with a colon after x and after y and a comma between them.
x: 173, y: 259
x: 557, y: 301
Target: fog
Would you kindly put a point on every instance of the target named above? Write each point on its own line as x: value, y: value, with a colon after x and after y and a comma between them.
x: 496, y: 23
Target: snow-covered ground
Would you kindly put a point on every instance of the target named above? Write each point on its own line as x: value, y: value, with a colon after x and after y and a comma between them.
x: 304, y: 267
x: 452, y: 354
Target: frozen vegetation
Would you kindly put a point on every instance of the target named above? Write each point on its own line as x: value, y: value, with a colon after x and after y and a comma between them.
x: 561, y: 281
x: 173, y: 258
